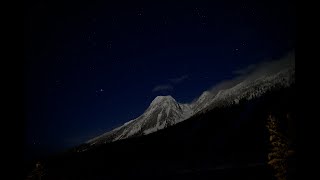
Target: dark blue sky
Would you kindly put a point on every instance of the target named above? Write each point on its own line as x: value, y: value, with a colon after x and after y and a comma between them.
x: 93, y: 65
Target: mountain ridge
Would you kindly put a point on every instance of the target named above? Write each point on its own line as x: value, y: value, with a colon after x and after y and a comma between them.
x: 165, y: 111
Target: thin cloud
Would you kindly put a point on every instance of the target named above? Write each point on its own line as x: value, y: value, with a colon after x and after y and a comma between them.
x: 246, y: 70
x: 255, y: 71
x: 271, y: 67
x: 169, y: 87
x: 179, y: 79
x: 163, y: 87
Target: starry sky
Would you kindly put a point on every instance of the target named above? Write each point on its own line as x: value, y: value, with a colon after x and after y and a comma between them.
x: 91, y: 66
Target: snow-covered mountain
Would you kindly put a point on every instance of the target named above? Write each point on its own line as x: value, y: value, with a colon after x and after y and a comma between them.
x: 249, y: 89
x: 204, y: 100
x: 164, y: 111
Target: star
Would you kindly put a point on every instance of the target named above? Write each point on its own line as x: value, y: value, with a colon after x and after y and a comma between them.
x: 100, y: 90
x: 58, y: 83
x: 140, y: 11
x: 109, y: 44
x: 91, y: 68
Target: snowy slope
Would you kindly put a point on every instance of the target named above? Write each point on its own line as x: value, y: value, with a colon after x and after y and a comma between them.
x: 204, y: 100
x: 250, y: 89
x: 163, y: 111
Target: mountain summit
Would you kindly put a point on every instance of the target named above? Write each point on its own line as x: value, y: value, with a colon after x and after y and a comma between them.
x: 162, y: 112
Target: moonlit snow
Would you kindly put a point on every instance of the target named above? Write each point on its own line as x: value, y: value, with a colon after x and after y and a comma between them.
x: 165, y: 111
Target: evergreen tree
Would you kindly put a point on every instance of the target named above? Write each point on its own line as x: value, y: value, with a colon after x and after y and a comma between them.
x: 37, y: 173
x: 279, y: 149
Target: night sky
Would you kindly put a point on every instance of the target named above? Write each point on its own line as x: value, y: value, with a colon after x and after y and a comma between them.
x: 94, y: 65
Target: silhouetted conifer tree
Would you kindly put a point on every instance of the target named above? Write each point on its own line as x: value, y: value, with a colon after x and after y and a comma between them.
x: 279, y: 149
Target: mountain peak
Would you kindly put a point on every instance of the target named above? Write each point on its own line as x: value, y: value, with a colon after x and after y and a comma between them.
x: 160, y: 99
x: 164, y: 97
x: 205, y: 94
